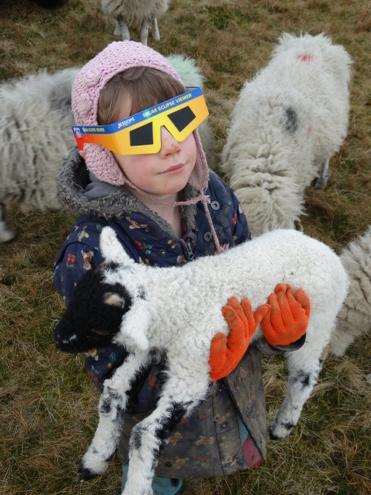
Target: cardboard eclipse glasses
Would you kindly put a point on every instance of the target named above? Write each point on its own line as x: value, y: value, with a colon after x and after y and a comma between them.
x: 140, y: 133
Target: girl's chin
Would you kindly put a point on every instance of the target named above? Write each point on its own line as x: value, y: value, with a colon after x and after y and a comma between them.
x: 175, y: 188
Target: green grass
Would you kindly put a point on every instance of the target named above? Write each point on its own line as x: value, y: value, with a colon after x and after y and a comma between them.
x: 47, y: 404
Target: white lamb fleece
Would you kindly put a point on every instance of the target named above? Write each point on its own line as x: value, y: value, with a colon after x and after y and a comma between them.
x: 287, y: 123
x: 178, y: 310
x: 354, y: 318
x: 172, y: 294
x: 139, y: 15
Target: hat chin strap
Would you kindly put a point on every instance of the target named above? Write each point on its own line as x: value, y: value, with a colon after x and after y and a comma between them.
x: 203, y: 197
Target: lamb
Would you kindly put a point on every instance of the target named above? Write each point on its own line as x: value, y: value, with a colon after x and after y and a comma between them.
x: 354, y: 318
x: 132, y: 300
x: 286, y: 125
x: 140, y: 15
x: 35, y: 135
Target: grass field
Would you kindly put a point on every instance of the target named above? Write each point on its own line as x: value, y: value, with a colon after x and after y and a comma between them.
x: 47, y: 404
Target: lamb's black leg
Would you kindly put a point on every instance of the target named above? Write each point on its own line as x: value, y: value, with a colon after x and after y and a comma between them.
x: 304, y: 366
x: 149, y: 435
x: 112, y: 404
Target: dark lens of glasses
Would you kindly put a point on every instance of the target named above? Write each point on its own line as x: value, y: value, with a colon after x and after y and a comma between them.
x: 181, y: 118
x: 142, y: 136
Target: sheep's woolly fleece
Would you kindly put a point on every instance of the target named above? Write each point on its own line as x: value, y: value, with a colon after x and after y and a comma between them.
x: 287, y: 123
x: 139, y: 15
x: 354, y: 318
x: 251, y: 270
x: 35, y: 135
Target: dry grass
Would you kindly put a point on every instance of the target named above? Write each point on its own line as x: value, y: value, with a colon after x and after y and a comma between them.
x: 47, y: 411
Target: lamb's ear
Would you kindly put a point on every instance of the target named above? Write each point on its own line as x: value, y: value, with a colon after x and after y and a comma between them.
x: 111, y: 248
x: 134, y: 326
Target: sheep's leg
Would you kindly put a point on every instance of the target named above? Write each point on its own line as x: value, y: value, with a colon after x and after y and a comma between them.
x: 321, y: 181
x: 342, y: 338
x: 117, y: 31
x: 144, y: 30
x: 304, y: 366
x: 155, y: 30
x: 112, y: 404
x: 148, y: 436
x: 121, y: 28
x: 6, y: 233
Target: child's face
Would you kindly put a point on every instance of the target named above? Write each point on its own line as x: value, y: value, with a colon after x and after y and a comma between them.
x: 164, y: 173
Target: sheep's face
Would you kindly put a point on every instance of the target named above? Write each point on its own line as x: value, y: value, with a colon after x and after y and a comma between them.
x: 94, y: 314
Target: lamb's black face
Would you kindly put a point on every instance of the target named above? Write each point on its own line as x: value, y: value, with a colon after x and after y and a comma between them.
x: 93, y: 315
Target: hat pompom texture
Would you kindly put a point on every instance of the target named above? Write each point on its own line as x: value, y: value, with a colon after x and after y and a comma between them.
x: 116, y: 57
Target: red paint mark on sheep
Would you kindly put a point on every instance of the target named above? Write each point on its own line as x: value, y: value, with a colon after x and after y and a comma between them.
x: 304, y: 57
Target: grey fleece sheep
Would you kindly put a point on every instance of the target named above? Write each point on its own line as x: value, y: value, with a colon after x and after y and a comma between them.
x: 139, y: 15
x: 35, y: 135
x: 286, y: 125
x: 354, y: 318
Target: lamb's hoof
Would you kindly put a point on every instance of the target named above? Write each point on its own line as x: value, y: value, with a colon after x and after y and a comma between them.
x: 85, y: 473
x: 279, y: 431
x: 273, y: 436
x: 92, y: 465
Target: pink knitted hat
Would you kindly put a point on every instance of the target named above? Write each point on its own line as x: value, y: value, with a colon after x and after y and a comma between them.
x: 117, y: 57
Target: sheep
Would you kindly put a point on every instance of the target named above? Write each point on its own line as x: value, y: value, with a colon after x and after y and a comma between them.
x: 140, y: 15
x: 35, y: 135
x: 354, y: 318
x: 286, y: 124
x: 132, y: 300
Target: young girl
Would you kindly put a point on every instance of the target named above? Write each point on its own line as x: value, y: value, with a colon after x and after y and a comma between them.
x: 142, y: 170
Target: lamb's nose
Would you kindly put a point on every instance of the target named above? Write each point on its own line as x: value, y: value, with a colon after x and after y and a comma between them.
x: 67, y: 344
x: 59, y: 341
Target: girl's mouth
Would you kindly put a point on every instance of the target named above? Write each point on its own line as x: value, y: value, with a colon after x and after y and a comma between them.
x: 174, y: 169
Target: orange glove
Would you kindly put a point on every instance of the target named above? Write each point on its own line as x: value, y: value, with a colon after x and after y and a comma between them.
x: 227, y: 351
x: 289, y: 316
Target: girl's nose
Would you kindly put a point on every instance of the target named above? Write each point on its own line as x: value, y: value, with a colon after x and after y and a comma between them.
x: 169, y: 144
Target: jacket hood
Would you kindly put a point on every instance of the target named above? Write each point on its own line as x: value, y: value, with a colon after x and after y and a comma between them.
x: 82, y: 193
